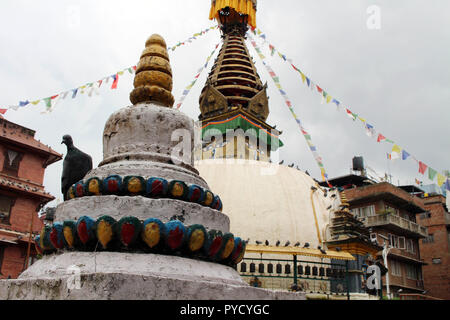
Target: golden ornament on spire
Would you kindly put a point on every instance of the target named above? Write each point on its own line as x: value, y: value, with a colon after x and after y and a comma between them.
x: 153, y: 80
x: 241, y: 7
x: 344, y: 202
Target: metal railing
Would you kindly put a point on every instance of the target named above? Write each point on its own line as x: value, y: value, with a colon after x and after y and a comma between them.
x: 389, y: 218
x: 306, y: 276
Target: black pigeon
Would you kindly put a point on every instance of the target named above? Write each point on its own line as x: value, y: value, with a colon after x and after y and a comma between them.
x: 291, y: 166
x: 297, y: 244
x: 278, y: 243
x: 329, y: 207
x: 333, y: 196
x: 306, y: 245
x: 287, y: 244
x: 338, y: 249
x: 267, y: 242
x: 321, y: 250
x: 307, y: 173
x: 281, y: 162
x: 75, y: 166
x: 258, y: 242
x: 313, y: 188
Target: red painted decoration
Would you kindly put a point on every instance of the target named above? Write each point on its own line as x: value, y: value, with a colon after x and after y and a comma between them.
x: 215, y: 246
x: 112, y: 185
x: 195, y: 195
x: 157, y: 187
x: 175, y: 238
x: 127, y: 233
x: 83, y: 232
x: 238, y: 252
x: 54, y: 239
x: 80, y: 190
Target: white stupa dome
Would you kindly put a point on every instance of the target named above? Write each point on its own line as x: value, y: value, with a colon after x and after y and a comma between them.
x: 270, y: 202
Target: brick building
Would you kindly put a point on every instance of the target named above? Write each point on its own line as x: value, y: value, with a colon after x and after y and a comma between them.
x: 23, y: 160
x: 435, y: 249
x: 390, y: 214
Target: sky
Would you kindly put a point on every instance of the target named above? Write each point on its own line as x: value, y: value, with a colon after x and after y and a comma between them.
x: 396, y: 76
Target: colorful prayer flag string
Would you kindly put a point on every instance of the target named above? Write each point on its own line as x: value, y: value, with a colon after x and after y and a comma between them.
x: 397, y: 152
x: 199, y: 72
x: 52, y: 101
x: 288, y: 102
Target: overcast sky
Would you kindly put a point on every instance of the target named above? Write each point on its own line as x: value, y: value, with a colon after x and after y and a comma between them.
x: 398, y: 77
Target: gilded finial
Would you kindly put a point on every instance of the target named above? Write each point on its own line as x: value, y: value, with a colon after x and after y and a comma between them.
x: 153, y: 80
x: 344, y: 202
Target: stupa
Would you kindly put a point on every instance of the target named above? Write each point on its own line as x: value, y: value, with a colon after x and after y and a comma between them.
x: 144, y: 224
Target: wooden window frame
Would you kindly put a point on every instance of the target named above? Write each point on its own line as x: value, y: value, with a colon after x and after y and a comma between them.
x: 7, y: 221
x: 10, y: 170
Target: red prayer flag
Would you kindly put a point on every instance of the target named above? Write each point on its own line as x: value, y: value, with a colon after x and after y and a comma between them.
x: 116, y: 81
x: 3, y: 111
x: 381, y: 137
x: 319, y: 89
x: 422, y: 167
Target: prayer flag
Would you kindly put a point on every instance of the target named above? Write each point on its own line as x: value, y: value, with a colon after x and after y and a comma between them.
x: 431, y: 173
x: 405, y: 155
x: 381, y: 138
x: 440, y: 179
x: 116, y: 81
x: 422, y: 167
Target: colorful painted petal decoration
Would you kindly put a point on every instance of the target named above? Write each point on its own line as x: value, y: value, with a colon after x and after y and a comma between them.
x: 112, y: 185
x: 93, y: 187
x: 197, y: 238
x: 227, y: 246
x: 85, y: 230
x: 196, y: 194
x: 45, y: 242
x: 153, y: 232
x: 70, y: 234
x: 37, y: 245
x: 217, y: 204
x: 79, y: 189
x: 134, y: 185
x: 56, y: 235
x: 178, y: 190
x: 239, y: 251
x: 214, y: 244
x: 128, y: 230
x: 71, y: 192
x: 157, y: 187
x: 209, y: 198
x: 104, y: 228
x: 176, y: 234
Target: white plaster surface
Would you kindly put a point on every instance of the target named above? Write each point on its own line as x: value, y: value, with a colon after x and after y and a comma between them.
x: 120, y: 276
x: 143, y: 208
x: 268, y: 201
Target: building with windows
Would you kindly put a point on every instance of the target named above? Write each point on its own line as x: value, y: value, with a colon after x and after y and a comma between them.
x: 390, y: 214
x: 23, y: 160
x: 435, y: 248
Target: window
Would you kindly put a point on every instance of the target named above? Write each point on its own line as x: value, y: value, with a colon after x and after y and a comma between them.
x: 436, y: 260
x: 410, y: 245
x: 412, y: 272
x: 12, y: 162
x: 396, y: 268
x: 393, y: 210
x: 6, y: 204
x: 364, y: 212
x: 425, y: 215
x: 401, y: 243
x: 429, y: 239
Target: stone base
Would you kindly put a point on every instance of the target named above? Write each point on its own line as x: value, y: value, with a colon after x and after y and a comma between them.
x: 122, y: 276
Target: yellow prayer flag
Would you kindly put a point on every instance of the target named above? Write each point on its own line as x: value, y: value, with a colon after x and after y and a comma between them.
x: 397, y: 149
x: 278, y: 85
x: 120, y: 73
x: 329, y: 98
x: 440, y: 179
x: 35, y: 102
x: 303, y: 77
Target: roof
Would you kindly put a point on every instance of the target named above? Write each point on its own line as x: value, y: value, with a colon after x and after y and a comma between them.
x: 350, y: 180
x: 16, y: 134
x: 295, y: 251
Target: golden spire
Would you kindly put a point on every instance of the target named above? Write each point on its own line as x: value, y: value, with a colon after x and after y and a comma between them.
x: 153, y: 80
x: 344, y: 202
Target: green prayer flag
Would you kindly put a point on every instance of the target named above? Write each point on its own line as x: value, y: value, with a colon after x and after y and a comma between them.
x: 431, y: 173
x: 48, y: 102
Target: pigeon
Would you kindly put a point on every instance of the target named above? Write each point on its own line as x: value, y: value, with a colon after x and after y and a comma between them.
x: 281, y: 162
x: 321, y: 250
x: 75, y: 166
x: 297, y: 244
x: 338, y: 249
x: 291, y: 165
x: 258, y: 242
x: 287, y: 244
x: 306, y: 245
x: 313, y: 188
x: 267, y: 242
x: 278, y: 243
x: 329, y: 207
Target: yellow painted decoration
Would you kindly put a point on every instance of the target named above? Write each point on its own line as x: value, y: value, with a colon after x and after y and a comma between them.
x: 151, y: 235
x: 228, y: 248
x: 209, y: 199
x: 197, y: 240
x: 71, y: 193
x: 94, y: 187
x: 177, y: 190
x: 247, y: 7
x: 134, y: 185
x: 68, y: 236
x: 104, y: 233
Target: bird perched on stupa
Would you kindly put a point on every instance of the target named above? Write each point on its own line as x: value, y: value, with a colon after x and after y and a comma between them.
x: 75, y: 166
